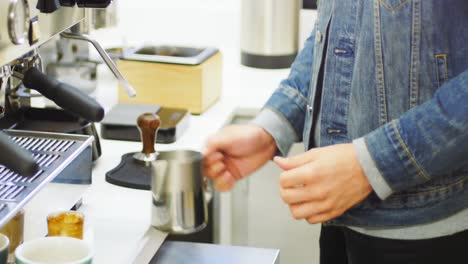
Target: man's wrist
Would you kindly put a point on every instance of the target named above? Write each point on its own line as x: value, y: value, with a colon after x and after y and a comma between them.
x: 370, y: 170
x: 278, y: 128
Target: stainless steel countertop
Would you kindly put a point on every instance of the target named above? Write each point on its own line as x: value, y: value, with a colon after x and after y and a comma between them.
x: 197, y: 253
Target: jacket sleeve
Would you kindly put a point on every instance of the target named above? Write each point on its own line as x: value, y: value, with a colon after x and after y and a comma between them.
x: 427, y: 141
x: 284, y: 113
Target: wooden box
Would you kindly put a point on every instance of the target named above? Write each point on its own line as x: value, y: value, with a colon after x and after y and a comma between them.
x: 193, y: 87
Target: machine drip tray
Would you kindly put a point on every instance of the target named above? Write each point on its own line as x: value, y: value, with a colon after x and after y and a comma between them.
x: 57, y: 121
x: 60, y: 156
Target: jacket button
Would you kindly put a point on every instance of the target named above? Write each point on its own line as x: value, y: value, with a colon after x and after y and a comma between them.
x: 318, y: 36
x: 334, y: 131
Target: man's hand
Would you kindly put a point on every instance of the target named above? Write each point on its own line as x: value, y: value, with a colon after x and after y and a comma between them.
x: 235, y: 152
x: 322, y: 183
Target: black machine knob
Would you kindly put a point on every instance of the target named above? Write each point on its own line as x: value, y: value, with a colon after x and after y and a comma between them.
x: 48, y: 6
x: 94, y: 3
x: 68, y: 2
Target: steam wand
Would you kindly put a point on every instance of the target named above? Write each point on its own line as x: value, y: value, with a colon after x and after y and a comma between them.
x: 126, y: 85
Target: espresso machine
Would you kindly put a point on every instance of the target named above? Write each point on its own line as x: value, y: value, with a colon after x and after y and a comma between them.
x: 31, y: 158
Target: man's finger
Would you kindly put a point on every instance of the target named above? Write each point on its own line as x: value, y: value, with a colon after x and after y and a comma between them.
x: 295, y: 195
x: 309, y: 210
x: 299, y: 176
x: 224, y: 182
x: 296, y: 161
x: 320, y: 218
x: 232, y: 168
x: 212, y: 157
x: 215, y: 169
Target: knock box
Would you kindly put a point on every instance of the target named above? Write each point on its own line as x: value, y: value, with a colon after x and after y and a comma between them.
x: 170, y: 76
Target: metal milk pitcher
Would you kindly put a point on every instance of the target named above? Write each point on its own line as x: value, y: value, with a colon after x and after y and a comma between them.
x: 179, y: 199
x: 178, y: 190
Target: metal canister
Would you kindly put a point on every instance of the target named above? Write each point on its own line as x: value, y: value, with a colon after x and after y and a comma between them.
x: 269, y: 33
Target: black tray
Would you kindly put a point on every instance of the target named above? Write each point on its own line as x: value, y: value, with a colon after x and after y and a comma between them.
x: 120, y: 122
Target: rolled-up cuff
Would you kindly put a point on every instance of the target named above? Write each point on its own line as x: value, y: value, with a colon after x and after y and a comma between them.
x: 291, y: 105
x: 393, y: 158
x: 376, y: 180
x: 278, y: 127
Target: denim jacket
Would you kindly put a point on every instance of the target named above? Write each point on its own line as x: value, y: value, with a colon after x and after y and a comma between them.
x: 395, y: 83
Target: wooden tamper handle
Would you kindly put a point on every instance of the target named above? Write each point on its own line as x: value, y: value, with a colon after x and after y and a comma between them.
x: 148, y: 124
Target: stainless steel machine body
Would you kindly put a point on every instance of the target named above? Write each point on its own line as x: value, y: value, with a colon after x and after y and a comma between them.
x: 60, y: 157
x: 63, y: 157
x: 17, y: 16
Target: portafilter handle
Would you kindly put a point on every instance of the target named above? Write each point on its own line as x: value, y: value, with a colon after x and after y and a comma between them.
x: 148, y: 125
x: 64, y: 95
x: 15, y: 158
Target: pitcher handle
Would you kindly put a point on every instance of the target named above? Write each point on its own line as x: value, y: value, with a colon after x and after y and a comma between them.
x: 208, y: 189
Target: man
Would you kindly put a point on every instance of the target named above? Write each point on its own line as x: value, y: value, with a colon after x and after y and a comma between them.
x: 379, y: 96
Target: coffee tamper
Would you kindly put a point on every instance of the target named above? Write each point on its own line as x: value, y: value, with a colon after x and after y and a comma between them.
x: 148, y: 125
x: 134, y: 170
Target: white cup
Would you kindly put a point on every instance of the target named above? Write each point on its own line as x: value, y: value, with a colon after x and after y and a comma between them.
x: 54, y: 250
x: 4, y: 244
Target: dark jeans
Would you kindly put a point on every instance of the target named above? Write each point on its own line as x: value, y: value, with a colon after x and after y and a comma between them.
x: 340, y: 245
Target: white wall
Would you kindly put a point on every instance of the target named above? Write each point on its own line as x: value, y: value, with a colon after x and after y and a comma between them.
x: 192, y: 22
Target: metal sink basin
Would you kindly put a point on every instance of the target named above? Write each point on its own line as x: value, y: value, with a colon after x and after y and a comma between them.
x: 170, y: 54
